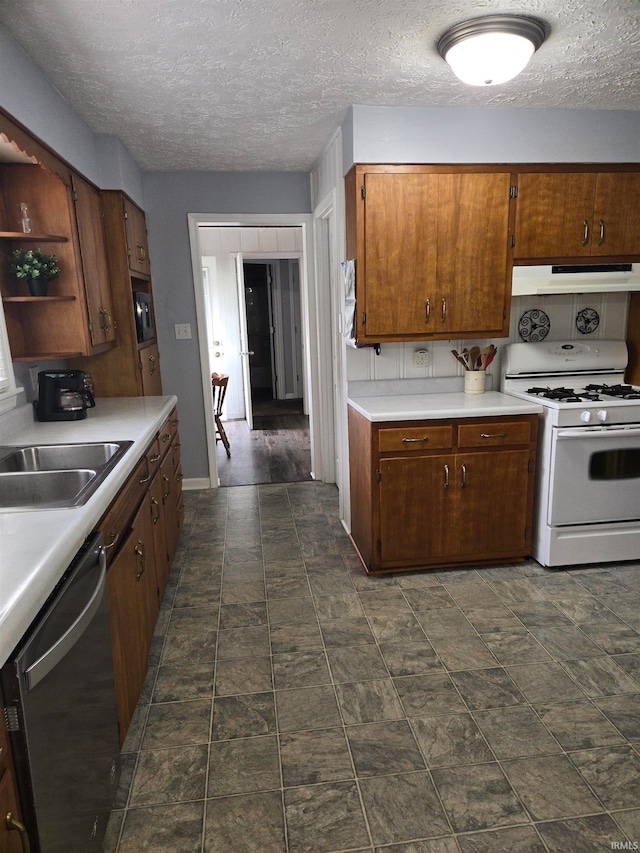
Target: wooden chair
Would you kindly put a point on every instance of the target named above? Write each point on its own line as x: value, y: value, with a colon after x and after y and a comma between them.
x: 219, y: 383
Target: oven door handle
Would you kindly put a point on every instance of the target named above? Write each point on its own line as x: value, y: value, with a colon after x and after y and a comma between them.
x: 598, y: 432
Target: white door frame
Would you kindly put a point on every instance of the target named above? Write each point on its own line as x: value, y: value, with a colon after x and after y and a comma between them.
x: 245, y: 355
x: 315, y: 303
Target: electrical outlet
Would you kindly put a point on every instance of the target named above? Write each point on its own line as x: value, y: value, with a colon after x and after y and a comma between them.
x: 183, y: 331
x: 33, y: 375
x: 421, y: 358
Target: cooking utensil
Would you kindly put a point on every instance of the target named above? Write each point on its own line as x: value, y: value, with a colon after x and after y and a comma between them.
x: 460, y: 359
x: 474, y: 355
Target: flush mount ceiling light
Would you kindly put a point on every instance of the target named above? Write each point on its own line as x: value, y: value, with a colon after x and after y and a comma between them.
x: 491, y: 50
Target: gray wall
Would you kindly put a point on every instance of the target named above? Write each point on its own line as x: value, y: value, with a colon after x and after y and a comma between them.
x: 30, y: 98
x: 462, y: 135
x: 169, y: 197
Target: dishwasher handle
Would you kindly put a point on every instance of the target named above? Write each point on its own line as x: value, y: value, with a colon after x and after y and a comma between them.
x: 40, y: 668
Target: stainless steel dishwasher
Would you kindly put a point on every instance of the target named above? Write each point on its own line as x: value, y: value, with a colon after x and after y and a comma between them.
x: 59, y: 701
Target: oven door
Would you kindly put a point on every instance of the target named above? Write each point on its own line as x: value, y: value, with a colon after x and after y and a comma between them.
x: 595, y: 475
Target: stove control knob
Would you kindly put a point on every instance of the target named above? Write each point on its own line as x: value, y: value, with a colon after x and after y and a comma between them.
x: 602, y: 415
x: 586, y: 417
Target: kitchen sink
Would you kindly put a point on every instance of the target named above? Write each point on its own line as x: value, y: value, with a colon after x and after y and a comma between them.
x: 48, y: 476
x: 56, y: 457
x: 41, y: 489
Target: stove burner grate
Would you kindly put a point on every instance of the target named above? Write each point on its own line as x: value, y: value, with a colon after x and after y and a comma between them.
x: 566, y: 395
x: 624, y: 392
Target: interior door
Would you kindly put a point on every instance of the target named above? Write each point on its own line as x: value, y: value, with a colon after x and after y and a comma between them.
x: 245, y: 353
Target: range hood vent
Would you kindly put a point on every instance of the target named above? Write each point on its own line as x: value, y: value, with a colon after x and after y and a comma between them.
x: 575, y: 278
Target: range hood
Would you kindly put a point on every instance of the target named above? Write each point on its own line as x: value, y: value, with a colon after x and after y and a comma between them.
x: 578, y: 278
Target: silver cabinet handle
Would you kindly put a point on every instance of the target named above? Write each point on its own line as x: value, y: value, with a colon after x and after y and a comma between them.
x: 493, y: 435
x: 444, y: 309
x: 412, y: 440
x: 464, y: 477
x: 585, y: 239
x: 427, y: 310
x: 446, y: 476
x: 601, y: 238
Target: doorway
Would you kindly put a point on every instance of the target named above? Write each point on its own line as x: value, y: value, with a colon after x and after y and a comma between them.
x: 271, y: 443
x: 268, y: 237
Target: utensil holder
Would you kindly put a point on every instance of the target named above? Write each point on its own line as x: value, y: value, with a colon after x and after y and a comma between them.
x: 474, y: 381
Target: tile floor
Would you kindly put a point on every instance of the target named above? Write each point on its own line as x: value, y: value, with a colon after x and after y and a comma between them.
x: 294, y: 704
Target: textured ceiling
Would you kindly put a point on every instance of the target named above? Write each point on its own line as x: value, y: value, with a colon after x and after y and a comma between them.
x: 262, y: 84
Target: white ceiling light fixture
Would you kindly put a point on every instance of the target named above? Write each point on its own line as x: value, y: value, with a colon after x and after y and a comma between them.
x: 491, y: 50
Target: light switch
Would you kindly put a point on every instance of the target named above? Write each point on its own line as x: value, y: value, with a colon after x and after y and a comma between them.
x: 183, y: 331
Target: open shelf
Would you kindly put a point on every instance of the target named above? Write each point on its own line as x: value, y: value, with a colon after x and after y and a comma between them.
x: 38, y: 298
x: 45, y: 356
x: 32, y: 238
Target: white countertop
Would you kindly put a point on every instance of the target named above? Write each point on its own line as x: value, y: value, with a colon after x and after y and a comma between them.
x: 36, y: 546
x: 453, y: 404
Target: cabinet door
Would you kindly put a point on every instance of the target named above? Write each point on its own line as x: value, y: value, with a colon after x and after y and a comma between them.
x: 413, y: 508
x: 136, y: 230
x: 133, y: 604
x: 399, y: 253
x: 554, y: 215
x: 150, y: 371
x: 10, y: 841
x: 473, y: 230
x: 94, y: 261
x: 616, y: 218
x: 491, y: 492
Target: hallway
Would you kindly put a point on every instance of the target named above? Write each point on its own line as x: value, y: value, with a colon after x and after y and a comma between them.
x: 277, y: 450
x: 295, y: 705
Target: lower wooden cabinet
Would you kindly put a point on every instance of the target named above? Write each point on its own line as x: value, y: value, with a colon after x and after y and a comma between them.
x: 133, y: 604
x: 435, y: 493
x: 141, y: 531
x: 13, y: 834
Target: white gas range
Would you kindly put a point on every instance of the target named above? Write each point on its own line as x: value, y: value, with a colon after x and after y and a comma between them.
x: 588, y: 482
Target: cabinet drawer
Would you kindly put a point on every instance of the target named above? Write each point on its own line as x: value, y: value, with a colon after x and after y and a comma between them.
x: 494, y: 434
x: 116, y: 519
x: 154, y: 455
x: 415, y: 438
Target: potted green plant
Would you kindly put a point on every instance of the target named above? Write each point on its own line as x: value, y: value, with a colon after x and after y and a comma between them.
x: 36, y: 268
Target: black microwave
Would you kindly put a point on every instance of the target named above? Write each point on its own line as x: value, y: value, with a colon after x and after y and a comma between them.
x: 143, y: 315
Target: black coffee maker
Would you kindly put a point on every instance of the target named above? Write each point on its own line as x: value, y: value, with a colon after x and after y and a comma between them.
x: 62, y: 395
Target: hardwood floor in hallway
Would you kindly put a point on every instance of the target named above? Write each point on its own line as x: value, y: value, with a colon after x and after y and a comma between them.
x: 277, y: 451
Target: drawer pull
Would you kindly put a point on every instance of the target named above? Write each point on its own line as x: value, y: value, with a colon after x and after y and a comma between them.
x: 144, y: 480
x: 154, y: 458
x: 112, y: 541
x: 493, y: 435
x: 413, y: 440
x: 139, y: 551
x: 12, y: 823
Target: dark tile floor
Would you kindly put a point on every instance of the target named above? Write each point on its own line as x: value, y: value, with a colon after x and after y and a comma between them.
x: 294, y: 704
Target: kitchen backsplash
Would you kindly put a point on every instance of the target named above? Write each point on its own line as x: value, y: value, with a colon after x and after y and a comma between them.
x: 396, y: 361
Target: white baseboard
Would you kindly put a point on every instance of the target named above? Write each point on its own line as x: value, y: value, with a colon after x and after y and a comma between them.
x: 196, y: 483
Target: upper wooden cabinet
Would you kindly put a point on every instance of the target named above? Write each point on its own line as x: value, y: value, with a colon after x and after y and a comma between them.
x: 136, y: 236
x: 75, y: 317
x: 431, y: 248
x: 565, y: 215
x: 90, y: 228
x: 131, y: 369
